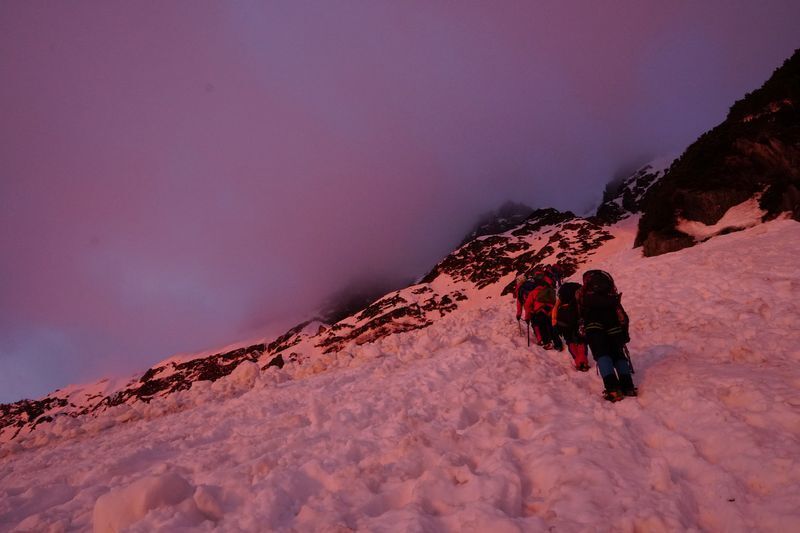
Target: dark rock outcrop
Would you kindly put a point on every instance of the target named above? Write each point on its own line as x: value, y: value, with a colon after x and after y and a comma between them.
x: 485, y: 260
x: 17, y: 414
x: 180, y: 376
x: 756, y: 150
x: 624, y: 198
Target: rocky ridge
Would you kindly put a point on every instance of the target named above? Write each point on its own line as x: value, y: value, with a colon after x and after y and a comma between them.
x: 627, y: 197
x: 754, y: 155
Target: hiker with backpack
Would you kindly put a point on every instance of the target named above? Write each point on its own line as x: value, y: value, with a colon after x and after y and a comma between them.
x: 566, y: 319
x: 556, y: 273
x: 536, y: 298
x: 604, y: 323
x: 522, y: 289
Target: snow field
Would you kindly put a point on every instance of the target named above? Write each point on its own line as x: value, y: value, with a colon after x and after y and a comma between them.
x: 462, y: 427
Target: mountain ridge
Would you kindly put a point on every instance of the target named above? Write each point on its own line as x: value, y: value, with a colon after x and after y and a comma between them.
x: 483, y: 267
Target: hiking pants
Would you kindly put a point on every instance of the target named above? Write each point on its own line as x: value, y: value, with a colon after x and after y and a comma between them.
x: 540, y: 329
x: 578, y: 351
x: 556, y: 334
x: 544, y: 330
x: 608, y: 351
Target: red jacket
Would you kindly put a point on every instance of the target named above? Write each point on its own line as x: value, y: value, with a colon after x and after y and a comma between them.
x: 535, y: 302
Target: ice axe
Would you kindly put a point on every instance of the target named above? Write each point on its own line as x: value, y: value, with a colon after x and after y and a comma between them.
x: 628, y: 357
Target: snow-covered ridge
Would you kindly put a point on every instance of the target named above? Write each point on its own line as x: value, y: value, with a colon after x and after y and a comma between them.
x: 479, y: 270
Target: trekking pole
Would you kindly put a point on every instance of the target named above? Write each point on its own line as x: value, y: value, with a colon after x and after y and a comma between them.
x: 528, y: 324
x: 628, y: 357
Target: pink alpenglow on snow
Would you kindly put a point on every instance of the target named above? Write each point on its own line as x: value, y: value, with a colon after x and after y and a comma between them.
x: 461, y: 426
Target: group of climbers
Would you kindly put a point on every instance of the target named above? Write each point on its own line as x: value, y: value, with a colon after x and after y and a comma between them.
x: 589, y: 316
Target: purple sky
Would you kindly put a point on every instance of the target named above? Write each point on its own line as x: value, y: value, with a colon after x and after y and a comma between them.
x: 179, y: 175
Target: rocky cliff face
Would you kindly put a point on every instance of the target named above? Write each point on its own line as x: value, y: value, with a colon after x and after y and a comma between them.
x: 753, y: 154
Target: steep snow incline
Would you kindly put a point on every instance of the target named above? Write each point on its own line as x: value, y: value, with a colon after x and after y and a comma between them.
x: 461, y: 426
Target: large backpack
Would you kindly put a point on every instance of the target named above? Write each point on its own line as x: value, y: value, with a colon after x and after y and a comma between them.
x: 598, y: 290
x: 554, y: 272
x: 599, y: 297
x: 566, y: 293
x: 542, y: 277
x: 524, y: 290
x: 546, y: 295
x: 567, y: 313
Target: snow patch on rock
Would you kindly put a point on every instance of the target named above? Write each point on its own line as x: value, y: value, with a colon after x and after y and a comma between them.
x: 744, y: 215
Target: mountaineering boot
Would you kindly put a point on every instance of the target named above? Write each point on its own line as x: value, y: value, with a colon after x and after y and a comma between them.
x: 581, y: 367
x: 558, y: 344
x: 612, y: 393
x: 626, y: 384
x: 548, y: 346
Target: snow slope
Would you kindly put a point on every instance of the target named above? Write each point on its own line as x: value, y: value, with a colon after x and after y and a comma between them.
x: 461, y: 426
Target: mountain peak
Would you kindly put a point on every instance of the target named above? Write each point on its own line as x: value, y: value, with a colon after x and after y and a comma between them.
x: 624, y: 197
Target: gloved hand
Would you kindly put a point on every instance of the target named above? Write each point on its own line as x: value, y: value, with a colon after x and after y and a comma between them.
x: 581, y: 329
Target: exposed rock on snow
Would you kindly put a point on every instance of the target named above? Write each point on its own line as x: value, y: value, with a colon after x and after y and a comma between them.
x: 745, y: 215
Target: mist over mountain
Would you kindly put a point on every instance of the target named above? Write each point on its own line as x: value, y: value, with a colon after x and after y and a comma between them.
x: 505, y: 217
x: 357, y: 296
x: 759, y: 184
x: 174, y: 179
